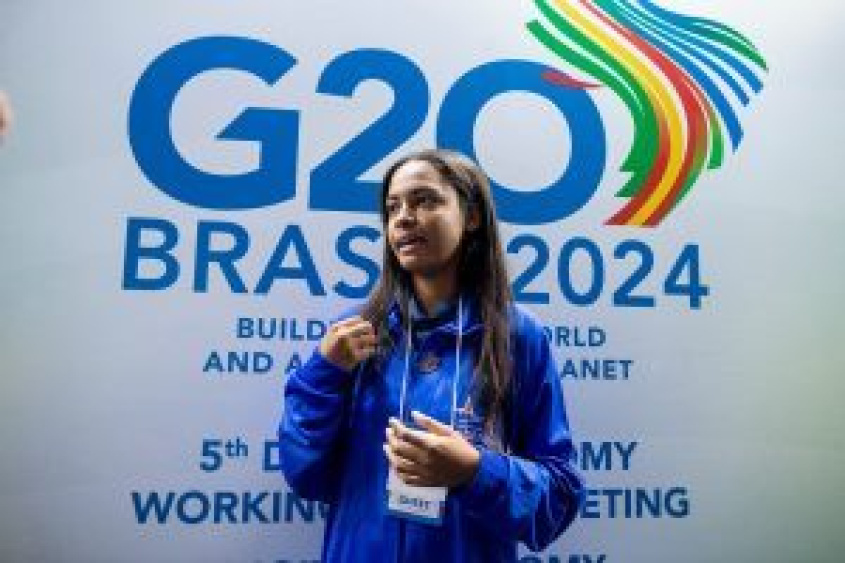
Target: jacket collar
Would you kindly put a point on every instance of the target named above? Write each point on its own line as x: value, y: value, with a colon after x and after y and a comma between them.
x: 471, y: 317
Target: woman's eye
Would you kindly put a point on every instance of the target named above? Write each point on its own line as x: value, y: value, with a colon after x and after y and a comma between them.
x: 427, y: 200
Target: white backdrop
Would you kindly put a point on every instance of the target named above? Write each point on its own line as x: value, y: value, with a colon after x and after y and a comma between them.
x: 725, y: 416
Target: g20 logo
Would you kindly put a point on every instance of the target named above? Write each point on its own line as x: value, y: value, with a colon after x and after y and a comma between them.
x: 675, y: 75
x: 668, y: 69
x: 335, y: 182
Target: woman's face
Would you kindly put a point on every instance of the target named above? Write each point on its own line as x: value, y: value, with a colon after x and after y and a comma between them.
x: 425, y: 224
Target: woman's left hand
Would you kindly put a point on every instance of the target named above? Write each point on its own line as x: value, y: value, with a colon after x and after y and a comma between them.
x: 437, y: 457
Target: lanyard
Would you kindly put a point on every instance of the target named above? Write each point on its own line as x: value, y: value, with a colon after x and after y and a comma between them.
x: 408, y: 345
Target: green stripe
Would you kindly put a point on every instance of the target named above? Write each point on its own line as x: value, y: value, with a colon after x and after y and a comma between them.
x: 724, y: 35
x: 643, y: 151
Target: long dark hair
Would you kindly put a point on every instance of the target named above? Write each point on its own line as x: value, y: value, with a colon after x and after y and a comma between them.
x: 481, y: 267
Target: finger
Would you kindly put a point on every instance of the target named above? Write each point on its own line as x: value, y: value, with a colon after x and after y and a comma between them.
x: 397, y: 426
x: 419, y: 439
x: 395, y: 461
x: 401, y: 465
x: 356, y: 327
x: 405, y: 434
x: 347, y: 352
x: 362, y: 354
x: 431, y: 425
x: 361, y: 351
x: 418, y: 480
x: 351, y: 326
x: 410, y: 453
x: 393, y: 438
x: 354, y: 340
x: 342, y: 323
x: 400, y: 434
x: 413, y: 473
x: 367, y: 339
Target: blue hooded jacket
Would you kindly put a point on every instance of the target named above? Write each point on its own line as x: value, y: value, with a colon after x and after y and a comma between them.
x: 525, y: 490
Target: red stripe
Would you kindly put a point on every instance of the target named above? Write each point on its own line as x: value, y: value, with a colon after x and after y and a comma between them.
x: 558, y: 78
x: 694, y: 121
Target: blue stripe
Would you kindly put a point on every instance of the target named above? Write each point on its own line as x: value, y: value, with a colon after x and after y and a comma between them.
x: 688, y: 27
x: 715, y: 95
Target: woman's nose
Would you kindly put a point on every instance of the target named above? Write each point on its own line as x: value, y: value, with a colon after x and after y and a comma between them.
x: 405, y: 214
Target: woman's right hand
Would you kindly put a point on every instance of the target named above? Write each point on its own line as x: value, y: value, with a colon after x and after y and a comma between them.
x: 349, y: 342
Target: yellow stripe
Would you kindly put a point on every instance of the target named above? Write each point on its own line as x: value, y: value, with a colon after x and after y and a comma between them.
x: 653, y: 82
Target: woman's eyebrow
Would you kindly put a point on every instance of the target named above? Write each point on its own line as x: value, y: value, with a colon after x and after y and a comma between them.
x: 412, y: 191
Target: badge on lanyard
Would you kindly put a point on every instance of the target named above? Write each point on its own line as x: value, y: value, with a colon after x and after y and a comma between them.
x: 429, y: 363
x: 420, y: 504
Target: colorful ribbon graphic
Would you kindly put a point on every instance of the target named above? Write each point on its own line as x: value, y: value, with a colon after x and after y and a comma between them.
x: 667, y: 69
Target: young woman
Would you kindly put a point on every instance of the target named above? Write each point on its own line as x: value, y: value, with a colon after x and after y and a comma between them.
x: 432, y: 420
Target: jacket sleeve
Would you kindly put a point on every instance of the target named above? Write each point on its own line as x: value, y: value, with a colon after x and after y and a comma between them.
x: 532, y: 494
x: 316, y: 405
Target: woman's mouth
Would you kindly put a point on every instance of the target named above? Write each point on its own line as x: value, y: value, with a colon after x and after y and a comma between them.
x: 409, y: 243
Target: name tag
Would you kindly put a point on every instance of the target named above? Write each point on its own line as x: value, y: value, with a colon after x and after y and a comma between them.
x: 420, y: 504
